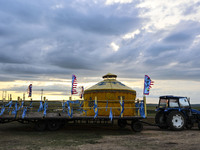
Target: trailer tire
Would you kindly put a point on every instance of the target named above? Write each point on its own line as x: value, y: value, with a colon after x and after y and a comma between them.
x: 53, y: 125
x: 40, y: 125
x: 189, y: 126
x: 2, y: 121
x: 160, y: 120
x: 199, y: 125
x: 136, y: 126
x: 122, y: 123
x: 176, y: 121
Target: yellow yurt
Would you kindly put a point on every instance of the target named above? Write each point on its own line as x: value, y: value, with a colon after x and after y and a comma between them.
x: 108, y: 94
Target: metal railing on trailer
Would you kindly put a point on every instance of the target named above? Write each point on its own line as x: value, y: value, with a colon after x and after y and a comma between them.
x: 53, y: 114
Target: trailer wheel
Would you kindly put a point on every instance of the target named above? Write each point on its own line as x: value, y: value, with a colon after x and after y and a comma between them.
x: 176, y: 120
x: 160, y: 120
x: 199, y: 125
x: 40, y: 125
x: 122, y: 123
x: 137, y: 126
x: 53, y: 125
x: 189, y: 126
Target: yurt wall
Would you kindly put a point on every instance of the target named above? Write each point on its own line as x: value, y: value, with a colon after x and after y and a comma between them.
x: 109, y: 93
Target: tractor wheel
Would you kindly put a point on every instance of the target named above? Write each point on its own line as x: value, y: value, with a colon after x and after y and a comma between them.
x: 160, y: 120
x: 122, y: 123
x: 176, y: 120
x: 137, y: 126
x: 53, y: 125
x: 40, y: 125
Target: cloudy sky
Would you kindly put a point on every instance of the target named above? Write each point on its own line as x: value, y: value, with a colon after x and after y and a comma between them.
x: 44, y: 42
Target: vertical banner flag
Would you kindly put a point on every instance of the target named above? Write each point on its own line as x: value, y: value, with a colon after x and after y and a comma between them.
x: 147, y: 84
x: 82, y: 92
x: 74, y: 85
x: 30, y: 90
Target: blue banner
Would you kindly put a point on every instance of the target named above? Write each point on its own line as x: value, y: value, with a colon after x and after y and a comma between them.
x: 122, y: 105
x: 10, y: 105
x: 31, y: 104
x: 95, y: 110
x: 45, y: 108
x: 21, y: 105
x: 24, y: 113
x: 40, y: 107
x: 14, y: 112
x: 70, y: 110
x: 142, y: 111
x: 111, y: 114
x: 2, y: 110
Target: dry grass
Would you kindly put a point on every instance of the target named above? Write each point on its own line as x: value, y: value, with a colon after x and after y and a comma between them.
x: 18, y: 136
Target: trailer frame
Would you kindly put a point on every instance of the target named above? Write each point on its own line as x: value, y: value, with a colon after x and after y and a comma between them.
x: 53, y: 119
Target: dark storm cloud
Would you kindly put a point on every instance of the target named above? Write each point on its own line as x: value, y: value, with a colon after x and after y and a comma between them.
x: 178, y: 37
x: 21, y: 11
x: 97, y: 18
x: 70, y: 62
x: 7, y: 78
x: 100, y: 24
x: 175, y: 56
x: 58, y: 38
x: 56, y: 33
x: 30, y: 69
x: 158, y: 48
x: 5, y: 58
x: 168, y: 54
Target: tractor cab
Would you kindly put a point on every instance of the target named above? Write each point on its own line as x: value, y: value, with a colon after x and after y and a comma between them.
x: 175, y: 112
x: 173, y: 102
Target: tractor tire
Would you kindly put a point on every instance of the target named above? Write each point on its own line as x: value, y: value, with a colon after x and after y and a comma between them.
x: 160, y: 120
x: 176, y: 121
x: 53, y: 125
x: 137, y: 126
x: 40, y: 125
x: 122, y: 123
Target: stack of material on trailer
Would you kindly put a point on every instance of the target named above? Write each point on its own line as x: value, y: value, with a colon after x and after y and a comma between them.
x: 110, y: 94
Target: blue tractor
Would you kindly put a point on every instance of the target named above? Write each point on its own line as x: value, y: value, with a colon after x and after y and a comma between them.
x: 175, y: 112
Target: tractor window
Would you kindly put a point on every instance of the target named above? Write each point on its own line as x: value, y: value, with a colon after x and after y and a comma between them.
x: 163, y: 103
x: 173, y: 103
x: 184, y: 102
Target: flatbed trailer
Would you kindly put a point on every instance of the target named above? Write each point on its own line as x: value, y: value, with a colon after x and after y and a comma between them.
x: 52, y: 115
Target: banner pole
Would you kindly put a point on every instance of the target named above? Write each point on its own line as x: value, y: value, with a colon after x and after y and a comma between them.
x: 145, y: 105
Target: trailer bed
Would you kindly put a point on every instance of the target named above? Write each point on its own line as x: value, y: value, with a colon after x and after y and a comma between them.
x: 52, y: 114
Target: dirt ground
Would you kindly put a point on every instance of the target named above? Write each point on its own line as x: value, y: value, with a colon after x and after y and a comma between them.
x: 16, y: 136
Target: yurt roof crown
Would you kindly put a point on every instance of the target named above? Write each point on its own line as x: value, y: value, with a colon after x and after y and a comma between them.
x: 109, y: 83
x: 110, y: 76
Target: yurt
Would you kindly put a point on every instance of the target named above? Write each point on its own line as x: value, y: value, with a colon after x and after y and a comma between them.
x: 108, y: 94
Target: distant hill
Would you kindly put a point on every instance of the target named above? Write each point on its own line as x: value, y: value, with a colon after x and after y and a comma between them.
x: 152, y: 106
x: 195, y: 105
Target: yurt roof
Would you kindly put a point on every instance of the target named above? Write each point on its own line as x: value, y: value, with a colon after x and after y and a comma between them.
x: 109, y: 83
